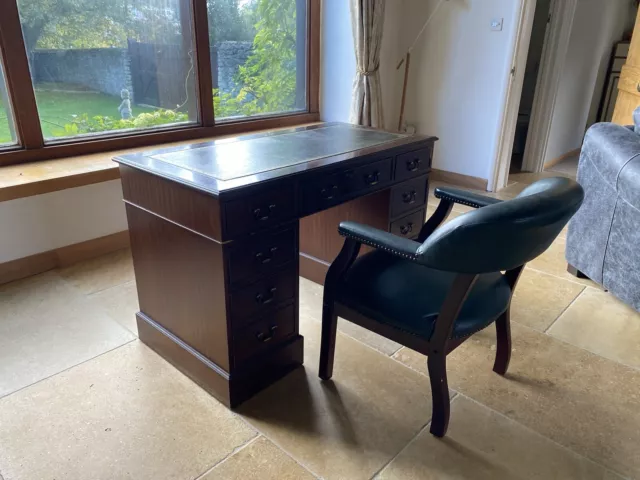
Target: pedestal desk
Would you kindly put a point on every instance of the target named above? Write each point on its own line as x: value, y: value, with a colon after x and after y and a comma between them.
x: 220, y: 232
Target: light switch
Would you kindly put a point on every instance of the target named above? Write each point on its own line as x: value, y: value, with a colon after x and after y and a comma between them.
x: 496, y: 24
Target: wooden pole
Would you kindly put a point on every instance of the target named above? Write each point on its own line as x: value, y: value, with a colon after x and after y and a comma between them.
x: 406, y: 62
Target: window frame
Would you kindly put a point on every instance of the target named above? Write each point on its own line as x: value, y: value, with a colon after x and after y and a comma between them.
x: 31, y: 145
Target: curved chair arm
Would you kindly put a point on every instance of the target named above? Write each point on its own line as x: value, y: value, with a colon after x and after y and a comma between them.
x: 448, y: 196
x: 399, y: 246
x: 464, y: 197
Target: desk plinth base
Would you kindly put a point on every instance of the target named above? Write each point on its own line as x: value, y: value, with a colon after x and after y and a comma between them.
x: 230, y: 389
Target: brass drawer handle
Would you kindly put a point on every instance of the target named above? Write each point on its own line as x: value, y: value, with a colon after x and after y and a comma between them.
x: 413, y: 165
x: 266, y: 258
x: 265, y: 299
x: 265, y: 337
x: 329, y: 193
x: 406, y: 229
x: 409, y: 197
x: 263, y: 215
x: 372, y: 178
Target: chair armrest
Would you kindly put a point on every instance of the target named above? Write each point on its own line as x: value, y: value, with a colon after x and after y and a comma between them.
x: 464, y: 197
x: 399, y: 246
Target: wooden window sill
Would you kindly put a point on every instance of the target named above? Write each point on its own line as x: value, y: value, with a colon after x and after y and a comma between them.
x: 36, y: 178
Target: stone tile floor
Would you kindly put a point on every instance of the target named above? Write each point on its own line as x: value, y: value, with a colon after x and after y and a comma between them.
x: 81, y: 397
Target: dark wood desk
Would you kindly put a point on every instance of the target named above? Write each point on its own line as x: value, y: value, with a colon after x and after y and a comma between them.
x: 221, y: 230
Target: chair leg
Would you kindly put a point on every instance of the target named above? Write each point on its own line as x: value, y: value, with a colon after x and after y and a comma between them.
x: 437, y: 364
x: 503, y: 349
x: 328, y: 341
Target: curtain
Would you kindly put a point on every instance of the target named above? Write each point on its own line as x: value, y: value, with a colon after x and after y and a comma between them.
x: 367, y: 19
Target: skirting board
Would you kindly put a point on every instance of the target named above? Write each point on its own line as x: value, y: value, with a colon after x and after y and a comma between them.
x: 555, y: 161
x: 62, y: 257
x: 459, y: 180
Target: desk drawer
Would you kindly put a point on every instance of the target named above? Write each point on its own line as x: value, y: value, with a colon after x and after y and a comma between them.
x: 408, y: 226
x: 370, y: 176
x: 262, y: 255
x: 408, y: 196
x: 264, y: 333
x: 259, y: 211
x: 336, y: 188
x: 412, y: 164
x: 259, y: 297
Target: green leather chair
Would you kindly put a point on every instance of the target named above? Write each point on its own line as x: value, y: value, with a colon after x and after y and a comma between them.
x: 432, y: 294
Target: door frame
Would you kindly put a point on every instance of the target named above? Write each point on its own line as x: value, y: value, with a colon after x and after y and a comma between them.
x: 554, y: 53
x: 509, y: 119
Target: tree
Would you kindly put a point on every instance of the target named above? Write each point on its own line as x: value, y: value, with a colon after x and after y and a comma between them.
x: 90, y: 21
x: 64, y: 24
x: 268, y: 77
x: 227, y: 22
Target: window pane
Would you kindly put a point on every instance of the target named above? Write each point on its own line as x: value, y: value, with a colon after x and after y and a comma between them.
x: 100, y: 66
x: 7, y: 128
x: 258, y: 56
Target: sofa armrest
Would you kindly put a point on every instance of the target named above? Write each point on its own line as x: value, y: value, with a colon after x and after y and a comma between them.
x: 399, y: 246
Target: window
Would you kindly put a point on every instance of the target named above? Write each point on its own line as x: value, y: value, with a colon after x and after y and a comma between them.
x: 100, y: 66
x: 89, y: 76
x: 258, y: 57
x: 7, y: 129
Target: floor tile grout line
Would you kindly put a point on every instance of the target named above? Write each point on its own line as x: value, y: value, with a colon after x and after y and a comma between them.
x: 92, y: 294
x: 277, y: 444
x: 528, y: 265
x: 356, y: 339
x: 86, y: 294
x: 564, y: 310
x: 408, y: 444
x: 237, y: 449
x: 535, y: 432
x: 626, y: 365
x: 2, y: 397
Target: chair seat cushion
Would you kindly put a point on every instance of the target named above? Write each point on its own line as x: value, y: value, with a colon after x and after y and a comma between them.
x: 409, y: 296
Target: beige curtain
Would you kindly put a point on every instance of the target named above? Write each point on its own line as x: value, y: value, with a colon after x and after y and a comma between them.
x: 367, y: 19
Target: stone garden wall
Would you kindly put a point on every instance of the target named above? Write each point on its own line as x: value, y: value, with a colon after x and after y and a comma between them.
x: 108, y: 70
x: 103, y: 70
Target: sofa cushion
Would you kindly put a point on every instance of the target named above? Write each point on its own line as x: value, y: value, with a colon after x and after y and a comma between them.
x: 629, y: 183
x: 609, y: 147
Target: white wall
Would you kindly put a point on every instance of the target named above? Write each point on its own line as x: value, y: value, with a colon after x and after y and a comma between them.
x: 597, y: 26
x: 459, y: 78
x: 44, y: 222
x: 459, y: 73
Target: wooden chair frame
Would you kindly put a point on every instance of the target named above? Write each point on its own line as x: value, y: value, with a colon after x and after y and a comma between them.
x: 441, y: 343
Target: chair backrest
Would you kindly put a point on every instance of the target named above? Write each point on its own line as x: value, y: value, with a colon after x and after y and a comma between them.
x: 505, y: 235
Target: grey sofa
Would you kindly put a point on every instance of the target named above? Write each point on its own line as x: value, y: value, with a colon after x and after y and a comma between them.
x: 603, y: 242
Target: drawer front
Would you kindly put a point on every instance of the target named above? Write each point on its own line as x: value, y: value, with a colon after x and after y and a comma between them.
x: 408, y: 196
x: 412, y: 164
x: 259, y: 211
x: 336, y: 188
x: 261, y: 296
x: 264, y: 333
x: 324, y: 192
x: 262, y: 255
x: 408, y: 226
x: 371, y: 176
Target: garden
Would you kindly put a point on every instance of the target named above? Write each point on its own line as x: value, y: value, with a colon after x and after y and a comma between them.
x: 265, y: 81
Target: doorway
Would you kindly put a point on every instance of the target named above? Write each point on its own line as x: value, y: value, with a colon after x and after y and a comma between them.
x: 565, y: 72
x: 539, y: 33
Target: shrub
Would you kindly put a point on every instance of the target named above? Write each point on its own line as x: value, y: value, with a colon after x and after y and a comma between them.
x: 85, y: 124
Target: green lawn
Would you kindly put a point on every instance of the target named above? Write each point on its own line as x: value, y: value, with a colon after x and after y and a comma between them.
x: 58, y: 108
